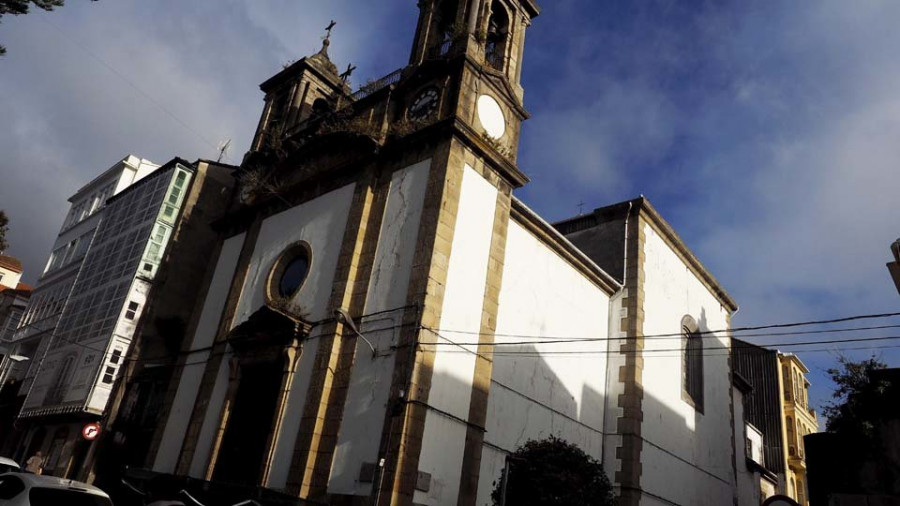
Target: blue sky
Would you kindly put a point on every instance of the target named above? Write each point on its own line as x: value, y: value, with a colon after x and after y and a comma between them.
x: 767, y: 133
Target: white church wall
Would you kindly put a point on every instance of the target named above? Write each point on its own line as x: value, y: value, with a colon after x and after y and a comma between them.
x: 211, y: 419
x: 681, y: 445
x: 367, y: 395
x: 191, y: 376
x: 320, y: 223
x: 287, y: 438
x: 444, y: 438
x: 533, y: 397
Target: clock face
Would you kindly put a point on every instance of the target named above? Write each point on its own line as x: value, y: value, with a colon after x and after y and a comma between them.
x: 424, y: 105
x: 491, y: 116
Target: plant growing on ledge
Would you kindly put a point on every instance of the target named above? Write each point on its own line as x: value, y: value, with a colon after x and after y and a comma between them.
x: 255, y: 183
x: 498, y: 146
x: 354, y: 125
x: 403, y: 127
x: 553, y: 472
x: 285, y: 306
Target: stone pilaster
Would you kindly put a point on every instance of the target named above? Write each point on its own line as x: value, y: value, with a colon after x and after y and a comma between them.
x: 324, y: 407
x: 628, y: 476
x: 401, y: 441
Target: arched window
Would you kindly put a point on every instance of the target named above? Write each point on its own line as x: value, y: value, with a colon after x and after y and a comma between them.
x: 792, y: 446
x: 692, y: 363
x: 786, y: 380
x: 497, y: 36
x: 444, y: 28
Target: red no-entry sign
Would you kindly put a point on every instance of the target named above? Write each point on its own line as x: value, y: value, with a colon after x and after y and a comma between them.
x: 91, y: 431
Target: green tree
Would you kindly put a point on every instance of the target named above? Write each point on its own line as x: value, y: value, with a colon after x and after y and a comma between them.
x: 859, y: 399
x: 19, y: 7
x: 4, y: 226
x: 553, y: 472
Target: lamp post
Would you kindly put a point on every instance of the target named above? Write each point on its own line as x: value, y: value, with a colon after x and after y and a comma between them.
x: 6, y: 365
x: 894, y: 267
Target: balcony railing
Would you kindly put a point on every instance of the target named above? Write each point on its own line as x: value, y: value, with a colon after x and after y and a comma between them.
x: 439, y: 50
x: 374, y: 86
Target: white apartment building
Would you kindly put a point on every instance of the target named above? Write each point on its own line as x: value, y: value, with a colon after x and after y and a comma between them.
x: 75, y: 236
x: 98, y: 319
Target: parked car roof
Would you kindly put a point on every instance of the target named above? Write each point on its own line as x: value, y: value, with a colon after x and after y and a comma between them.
x: 43, y: 481
x: 6, y: 461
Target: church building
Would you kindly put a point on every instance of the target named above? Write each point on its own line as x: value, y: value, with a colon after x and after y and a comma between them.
x: 383, y: 322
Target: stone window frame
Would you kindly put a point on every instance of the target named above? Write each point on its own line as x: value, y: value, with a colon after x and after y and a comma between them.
x: 692, y: 363
x: 284, y: 259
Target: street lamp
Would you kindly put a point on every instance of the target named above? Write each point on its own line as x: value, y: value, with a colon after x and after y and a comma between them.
x: 894, y: 267
x: 6, y: 365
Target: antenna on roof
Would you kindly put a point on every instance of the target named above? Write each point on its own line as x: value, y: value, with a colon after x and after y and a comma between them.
x: 223, y: 149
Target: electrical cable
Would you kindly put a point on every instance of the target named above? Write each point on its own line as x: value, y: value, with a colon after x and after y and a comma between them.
x: 704, y: 333
x: 526, y: 343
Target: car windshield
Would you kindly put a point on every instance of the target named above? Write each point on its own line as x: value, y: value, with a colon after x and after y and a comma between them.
x: 56, y: 497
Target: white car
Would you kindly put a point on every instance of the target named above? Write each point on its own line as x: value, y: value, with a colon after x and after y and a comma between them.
x: 8, y: 465
x: 25, y: 489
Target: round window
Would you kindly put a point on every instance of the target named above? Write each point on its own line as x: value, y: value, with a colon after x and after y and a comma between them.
x: 289, y: 271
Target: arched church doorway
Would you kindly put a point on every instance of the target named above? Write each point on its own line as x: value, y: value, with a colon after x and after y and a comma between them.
x: 265, y: 351
x: 243, y: 450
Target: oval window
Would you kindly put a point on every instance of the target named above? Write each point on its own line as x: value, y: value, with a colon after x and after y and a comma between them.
x: 289, y: 271
x: 293, y: 276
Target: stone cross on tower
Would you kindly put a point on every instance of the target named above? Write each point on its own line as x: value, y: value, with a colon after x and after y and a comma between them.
x: 346, y: 75
x: 326, y: 40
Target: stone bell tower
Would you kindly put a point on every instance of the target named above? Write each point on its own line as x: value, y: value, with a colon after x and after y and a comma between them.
x: 482, y: 43
x: 305, y: 88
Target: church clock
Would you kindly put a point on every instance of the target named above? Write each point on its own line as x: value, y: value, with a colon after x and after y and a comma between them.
x: 491, y: 116
x: 424, y: 105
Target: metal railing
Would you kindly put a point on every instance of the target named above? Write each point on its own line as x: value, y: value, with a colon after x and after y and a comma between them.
x: 439, y: 50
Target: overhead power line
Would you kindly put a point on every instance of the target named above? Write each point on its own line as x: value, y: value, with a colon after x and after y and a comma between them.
x: 568, y: 340
x: 450, y: 342
x: 702, y: 333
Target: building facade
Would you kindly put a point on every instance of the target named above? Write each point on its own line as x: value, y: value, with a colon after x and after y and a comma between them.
x: 778, y: 406
x: 14, y: 297
x: 68, y: 252
x: 799, y: 421
x: 32, y: 336
x: 73, y: 381
x: 383, y: 322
